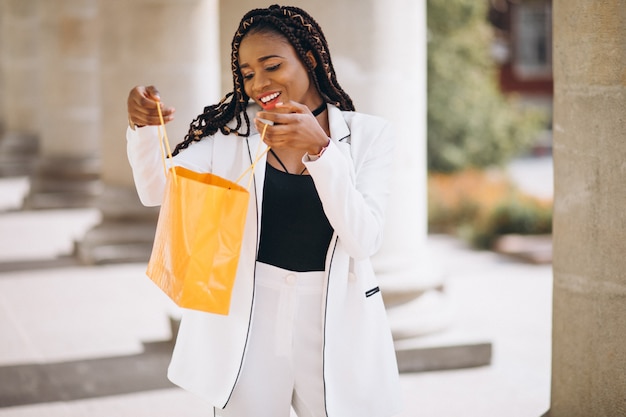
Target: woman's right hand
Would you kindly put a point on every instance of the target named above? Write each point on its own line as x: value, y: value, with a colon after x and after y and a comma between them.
x: 142, y: 107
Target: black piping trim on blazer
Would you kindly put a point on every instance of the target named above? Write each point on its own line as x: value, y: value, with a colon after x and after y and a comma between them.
x: 245, y: 346
x: 371, y: 292
x: 330, y: 267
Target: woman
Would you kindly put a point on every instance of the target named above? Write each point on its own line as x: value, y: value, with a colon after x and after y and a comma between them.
x: 307, y: 326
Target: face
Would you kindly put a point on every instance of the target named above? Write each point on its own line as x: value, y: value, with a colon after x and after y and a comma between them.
x: 273, y: 73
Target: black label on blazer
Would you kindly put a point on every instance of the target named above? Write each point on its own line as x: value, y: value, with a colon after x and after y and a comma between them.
x: 371, y: 292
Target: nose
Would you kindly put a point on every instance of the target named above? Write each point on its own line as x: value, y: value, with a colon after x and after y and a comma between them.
x: 260, y: 82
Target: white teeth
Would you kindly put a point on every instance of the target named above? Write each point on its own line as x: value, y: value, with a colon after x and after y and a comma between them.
x: 269, y: 98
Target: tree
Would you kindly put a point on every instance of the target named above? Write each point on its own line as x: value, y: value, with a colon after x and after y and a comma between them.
x: 470, y: 122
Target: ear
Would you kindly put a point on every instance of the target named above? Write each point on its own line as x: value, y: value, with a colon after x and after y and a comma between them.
x: 311, y: 58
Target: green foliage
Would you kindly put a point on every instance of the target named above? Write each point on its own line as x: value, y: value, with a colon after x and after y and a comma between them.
x: 470, y: 123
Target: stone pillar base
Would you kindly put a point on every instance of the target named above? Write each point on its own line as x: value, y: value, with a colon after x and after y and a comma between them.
x: 443, y: 357
x: 414, y: 294
x: 421, y: 316
x: 64, y: 182
x: 18, y: 153
x: 126, y: 232
x: 425, y: 339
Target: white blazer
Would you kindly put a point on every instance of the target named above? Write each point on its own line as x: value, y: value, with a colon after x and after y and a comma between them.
x: 352, y: 180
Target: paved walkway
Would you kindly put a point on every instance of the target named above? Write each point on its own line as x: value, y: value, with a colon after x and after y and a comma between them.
x: 76, y: 342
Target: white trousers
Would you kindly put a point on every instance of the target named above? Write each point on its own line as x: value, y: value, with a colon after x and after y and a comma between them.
x: 283, y: 363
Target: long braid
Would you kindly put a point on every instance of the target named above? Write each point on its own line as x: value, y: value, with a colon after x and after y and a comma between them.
x: 325, y: 78
x: 305, y: 35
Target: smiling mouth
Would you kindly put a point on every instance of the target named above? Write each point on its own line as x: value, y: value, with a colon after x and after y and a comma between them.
x: 269, y: 101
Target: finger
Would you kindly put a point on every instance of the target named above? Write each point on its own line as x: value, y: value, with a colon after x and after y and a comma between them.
x: 292, y: 119
x: 277, y: 134
x: 264, y: 118
x: 279, y: 118
x: 143, y: 116
x: 284, y: 108
x: 291, y: 107
x: 148, y: 97
x: 147, y: 102
x: 153, y: 93
x: 271, y: 128
x: 262, y: 126
x: 149, y: 108
x: 141, y: 111
x: 154, y: 119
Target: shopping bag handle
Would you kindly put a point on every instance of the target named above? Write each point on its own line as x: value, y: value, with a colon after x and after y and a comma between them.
x: 164, y: 140
x: 164, y: 145
x: 257, y: 158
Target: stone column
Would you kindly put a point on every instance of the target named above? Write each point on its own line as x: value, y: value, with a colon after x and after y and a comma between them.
x: 412, y: 279
x: 168, y: 43
x: 66, y: 172
x: 20, y: 82
x: 380, y: 58
x: 4, y: 44
x: 589, y: 299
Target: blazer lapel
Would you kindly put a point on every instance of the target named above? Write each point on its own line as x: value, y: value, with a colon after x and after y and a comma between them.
x: 339, y: 130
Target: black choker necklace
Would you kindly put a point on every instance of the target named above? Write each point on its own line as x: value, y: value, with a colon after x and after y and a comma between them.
x: 319, y: 110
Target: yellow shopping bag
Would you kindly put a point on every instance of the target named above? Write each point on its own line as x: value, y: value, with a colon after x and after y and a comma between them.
x: 198, y: 237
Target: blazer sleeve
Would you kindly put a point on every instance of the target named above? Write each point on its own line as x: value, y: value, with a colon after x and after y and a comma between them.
x: 354, y: 188
x: 144, y: 156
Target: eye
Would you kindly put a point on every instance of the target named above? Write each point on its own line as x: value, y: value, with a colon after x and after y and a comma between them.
x: 247, y: 76
x: 272, y: 67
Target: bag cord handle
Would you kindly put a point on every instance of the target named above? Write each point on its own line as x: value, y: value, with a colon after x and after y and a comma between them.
x: 164, y: 145
x: 257, y: 158
x: 164, y: 140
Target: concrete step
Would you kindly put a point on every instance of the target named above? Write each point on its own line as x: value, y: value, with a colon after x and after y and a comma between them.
x: 534, y: 249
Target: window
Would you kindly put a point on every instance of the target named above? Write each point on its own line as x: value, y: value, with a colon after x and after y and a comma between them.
x: 532, y: 49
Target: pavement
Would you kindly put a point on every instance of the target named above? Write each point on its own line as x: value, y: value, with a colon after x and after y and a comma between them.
x: 95, y: 340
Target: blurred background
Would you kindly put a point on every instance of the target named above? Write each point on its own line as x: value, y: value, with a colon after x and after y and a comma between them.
x: 466, y: 265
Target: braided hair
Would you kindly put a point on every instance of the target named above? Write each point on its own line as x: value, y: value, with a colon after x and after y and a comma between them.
x: 305, y: 35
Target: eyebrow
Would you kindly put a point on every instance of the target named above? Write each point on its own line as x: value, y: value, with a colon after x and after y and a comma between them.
x: 261, y: 59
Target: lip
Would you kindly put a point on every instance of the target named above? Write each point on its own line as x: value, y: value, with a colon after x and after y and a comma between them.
x: 269, y: 105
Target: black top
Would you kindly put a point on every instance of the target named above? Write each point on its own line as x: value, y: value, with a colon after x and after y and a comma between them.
x: 295, y: 232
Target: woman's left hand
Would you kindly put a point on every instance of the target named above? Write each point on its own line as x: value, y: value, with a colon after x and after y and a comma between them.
x: 294, y: 127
